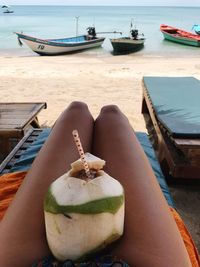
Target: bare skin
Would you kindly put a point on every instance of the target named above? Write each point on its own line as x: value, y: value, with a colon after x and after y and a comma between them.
x: 151, y: 237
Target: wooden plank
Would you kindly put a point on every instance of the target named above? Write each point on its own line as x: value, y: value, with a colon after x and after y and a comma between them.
x: 21, y: 108
x: 4, y: 116
x: 187, y: 143
x: 13, y: 121
x: 9, y: 110
x: 20, y: 105
x: 14, y: 111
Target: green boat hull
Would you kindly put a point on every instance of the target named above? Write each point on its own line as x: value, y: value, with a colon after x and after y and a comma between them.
x: 181, y: 40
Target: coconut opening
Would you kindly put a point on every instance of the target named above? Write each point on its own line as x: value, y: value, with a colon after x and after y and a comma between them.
x: 82, y: 175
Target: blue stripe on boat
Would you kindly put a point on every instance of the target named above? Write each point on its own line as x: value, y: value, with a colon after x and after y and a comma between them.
x: 70, y: 40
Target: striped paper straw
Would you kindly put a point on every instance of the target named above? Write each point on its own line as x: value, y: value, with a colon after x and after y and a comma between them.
x: 81, y: 153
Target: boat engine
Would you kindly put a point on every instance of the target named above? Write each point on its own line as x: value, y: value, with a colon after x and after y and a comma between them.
x: 91, y: 32
x: 134, y: 34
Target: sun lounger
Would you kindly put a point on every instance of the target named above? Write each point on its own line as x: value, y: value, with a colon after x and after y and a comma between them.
x: 15, y: 120
x: 22, y: 156
x: 172, y: 113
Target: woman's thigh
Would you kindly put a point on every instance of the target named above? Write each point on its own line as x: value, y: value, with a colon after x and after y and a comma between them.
x: 22, y: 230
x: 150, y: 236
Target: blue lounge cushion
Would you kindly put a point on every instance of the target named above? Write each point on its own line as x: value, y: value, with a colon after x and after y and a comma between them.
x: 176, y: 104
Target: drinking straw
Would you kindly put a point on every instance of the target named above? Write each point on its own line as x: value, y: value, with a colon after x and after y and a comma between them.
x: 81, y: 153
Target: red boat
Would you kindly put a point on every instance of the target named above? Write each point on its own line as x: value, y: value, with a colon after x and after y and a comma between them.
x: 180, y: 36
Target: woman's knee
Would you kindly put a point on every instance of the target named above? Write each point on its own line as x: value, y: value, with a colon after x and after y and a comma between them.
x: 111, y: 111
x: 76, y: 108
x: 76, y: 111
x: 78, y: 105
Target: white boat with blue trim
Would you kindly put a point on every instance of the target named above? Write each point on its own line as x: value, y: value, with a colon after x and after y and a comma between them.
x: 61, y: 46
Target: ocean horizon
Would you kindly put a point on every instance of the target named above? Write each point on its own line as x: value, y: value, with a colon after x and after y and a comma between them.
x: 52, y: 21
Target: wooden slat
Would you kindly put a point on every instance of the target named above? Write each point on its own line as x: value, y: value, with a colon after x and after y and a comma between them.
x: 4, y: 116
x: 20, y: 105
x: 16, y: 148
x: 14, y: 155
x: 13, y: 121
x: 187, y: 142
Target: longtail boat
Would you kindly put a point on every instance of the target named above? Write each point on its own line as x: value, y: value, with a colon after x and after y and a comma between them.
x: 61, y: 46
x: 130, y: 44
x: 180, y: 36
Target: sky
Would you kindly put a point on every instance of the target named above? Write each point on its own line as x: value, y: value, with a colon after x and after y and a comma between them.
x: 105, y: 2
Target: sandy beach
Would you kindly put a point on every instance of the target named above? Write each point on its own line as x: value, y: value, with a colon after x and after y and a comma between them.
x: 97, y: 80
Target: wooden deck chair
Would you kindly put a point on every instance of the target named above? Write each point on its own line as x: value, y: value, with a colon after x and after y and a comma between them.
x: 15, y: 120
x: 171, y: 108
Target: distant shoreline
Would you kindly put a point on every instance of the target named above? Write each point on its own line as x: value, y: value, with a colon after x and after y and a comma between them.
x: 175, y: 6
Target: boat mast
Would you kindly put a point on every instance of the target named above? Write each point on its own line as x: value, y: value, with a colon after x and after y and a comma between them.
x: 77, y: 18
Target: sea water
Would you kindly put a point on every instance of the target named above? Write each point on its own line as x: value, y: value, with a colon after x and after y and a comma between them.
x: 65, y: 21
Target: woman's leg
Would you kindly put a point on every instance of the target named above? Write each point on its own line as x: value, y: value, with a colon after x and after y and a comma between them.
x: 151, y: 237
x: 22, y: 230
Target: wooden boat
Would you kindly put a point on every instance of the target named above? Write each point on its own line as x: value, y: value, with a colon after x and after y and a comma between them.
x: 126, y: 45
x: 61, y: 46
x: 196, y: 28
x: 180, y: 36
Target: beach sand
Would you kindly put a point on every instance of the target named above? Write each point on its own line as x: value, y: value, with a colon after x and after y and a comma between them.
x: 96, y: 80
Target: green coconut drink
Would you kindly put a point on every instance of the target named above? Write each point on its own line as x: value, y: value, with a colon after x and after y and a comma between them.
x: 83, y: 213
